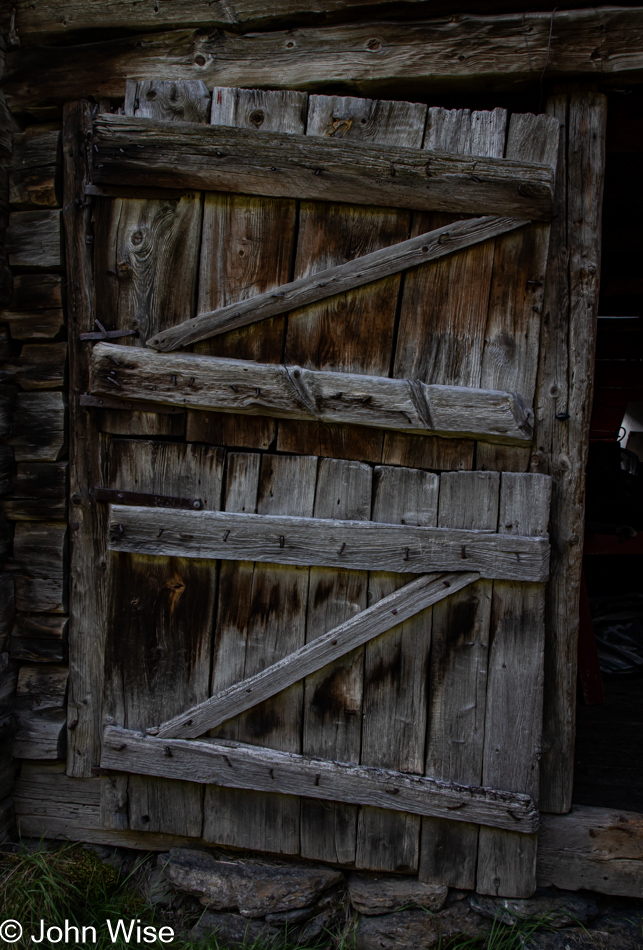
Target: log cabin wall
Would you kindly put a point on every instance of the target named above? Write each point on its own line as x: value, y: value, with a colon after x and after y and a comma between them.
x: 59, y: 52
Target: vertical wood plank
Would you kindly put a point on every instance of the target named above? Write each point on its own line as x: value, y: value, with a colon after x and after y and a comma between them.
x: 333, y: 695
x: 458, y: 683
x: 147, y: 251
x: 395, y: 680
x: 88, y: 551
x: 272, y: 604
x: 565, y: 388
x: 247, y: 248
x: 512, y: 341
x: 444, y: 305
x: 158, y: 650
x: 352, y: 332
x: 513, y: 722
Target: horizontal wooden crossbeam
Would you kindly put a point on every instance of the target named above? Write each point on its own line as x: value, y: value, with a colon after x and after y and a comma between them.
x: 369, y: 623
x: 325, y: 542
x: 290, y: 392
x: 220, y: 158
x: 265, y: 770
x: 335, y: 280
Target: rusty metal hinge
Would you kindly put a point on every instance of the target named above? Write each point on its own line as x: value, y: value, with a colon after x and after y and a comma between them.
x: 116, y: 496
x: 104, y: 334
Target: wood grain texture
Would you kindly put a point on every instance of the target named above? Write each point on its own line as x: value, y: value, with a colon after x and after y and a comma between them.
x: 218, y: 158
x: 444, y: 306
x: 88, y: 551
x: 40, y: 566
x: 565, y: 386
x: 594, y: 849
x: 34, y: 172
x: 333, y: 695
x: 39, y: 366
x: 34, y: 239
x: 290, y: 392
x: 147, y: 250
x: 40, y: 427
x: 395, y: 683
x: 40, y: 712
x: 512, y: 336
x: 39, y: 492
x: 605, y: 44
x: 39, y: 638
x: 393, y: 609
x: 513, y: 721
x: 272, y: 600
x: 247, y: 248
x: 334, y: 280
x: 158, y: 646
x: 244, y: 766
x: 458, y: 683
x: 367, y: 545
x: 35, y: 308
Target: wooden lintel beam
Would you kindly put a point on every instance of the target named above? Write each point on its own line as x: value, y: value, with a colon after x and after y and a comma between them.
x: 500, y: 51
x: 290, y: 392
x: 335, y: 280
x: 326, y: 542
x: 235, y: 766
x: 141, y: 152
x: 369, y: 623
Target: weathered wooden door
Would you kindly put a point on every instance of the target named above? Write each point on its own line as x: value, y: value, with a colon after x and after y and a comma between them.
x: 322, y: 614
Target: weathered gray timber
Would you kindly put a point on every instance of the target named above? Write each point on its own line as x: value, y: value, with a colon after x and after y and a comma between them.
x: 458, y: 684
x: 388, y: 612
x: 40, y: 427
x: 326, y: 542
x: 565, y: 382
x: 594, y: 849
x: 39, y: 638
x: 512, y: 336
x: 35, y: 173
x: 395, y: 682
x: 40, y: 712
x: 39, y: 492
x: 291, y: 392
x: 262, y: 618
x: 34, y: 239
x: 135, y: 240
x: 247, y: 247
x: 39, y: 366
x: 514, y: 708
x: 237, y: 766
x: 88, y: 607
x: 444, y: 340
x: 35, y: 309
x: 40, y: 566
x: 604, y: 44
x: 160, y: 614
x: 335, y: 280
x: 220, y: 158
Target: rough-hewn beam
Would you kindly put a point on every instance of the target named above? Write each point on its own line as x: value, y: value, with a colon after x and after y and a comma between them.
x: 290, y: 392
x: 335, y: 280
x: 143, y: 152
x: 236, y: 766
x: 326, y: 542
x: 499, y: 51
x: 369, y: 623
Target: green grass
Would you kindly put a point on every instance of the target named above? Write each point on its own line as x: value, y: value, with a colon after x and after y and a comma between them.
x: 66, y: 882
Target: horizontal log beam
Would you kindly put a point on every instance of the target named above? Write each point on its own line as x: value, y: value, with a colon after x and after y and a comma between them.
x: 335, y: 280
x: 451, y: 52
x: 142, y: 152
x: 235, y: 766
x: 369, y: 623
x: 290, y: 392
x: 325, y: 542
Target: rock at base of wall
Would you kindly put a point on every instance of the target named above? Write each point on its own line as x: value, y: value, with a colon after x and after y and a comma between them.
x: 377, y: 894
x: 558, y: 910
x: 419, y: 930
x: 252, y: 887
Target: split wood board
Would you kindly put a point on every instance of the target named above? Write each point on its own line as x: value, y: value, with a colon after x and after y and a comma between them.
x: 291, y: 392
x: 350, y: 545
x: 222, y: 158
x: 237, y: 766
